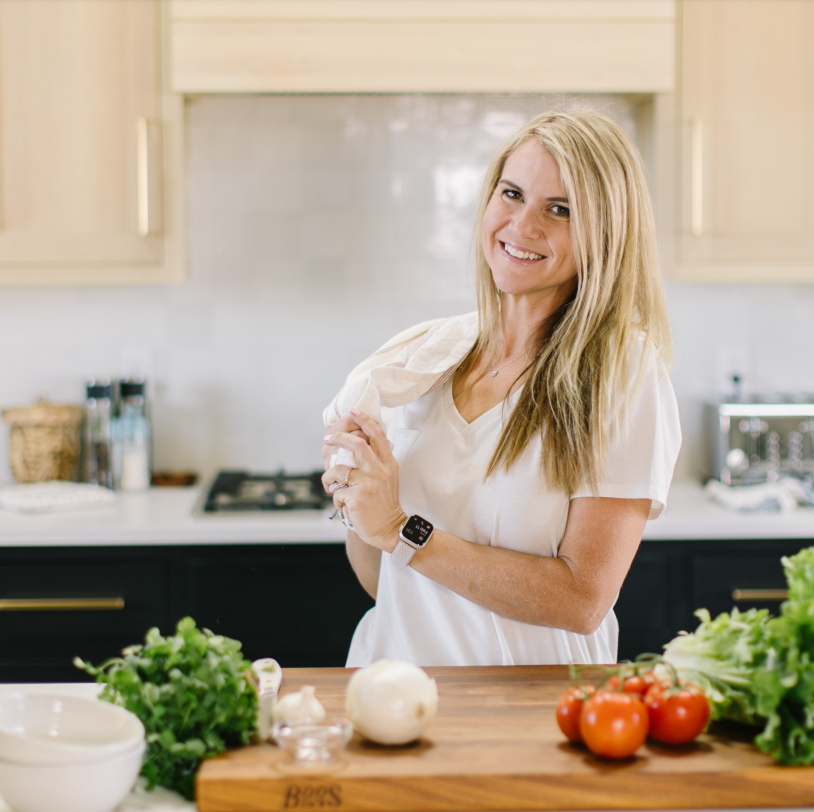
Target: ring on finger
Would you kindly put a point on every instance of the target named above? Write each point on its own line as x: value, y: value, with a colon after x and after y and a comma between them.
x: 345, y: 478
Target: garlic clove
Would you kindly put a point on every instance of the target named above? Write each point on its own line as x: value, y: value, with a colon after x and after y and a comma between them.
x: 302, y: 706
x: 391, y: 702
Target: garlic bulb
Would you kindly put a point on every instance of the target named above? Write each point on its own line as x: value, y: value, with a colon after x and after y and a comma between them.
x: 391, y: 702
x: 302, y: 706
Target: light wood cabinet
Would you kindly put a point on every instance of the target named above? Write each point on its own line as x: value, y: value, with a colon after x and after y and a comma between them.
x: 422, y: 46
x: 746, y: 144
x: 90, y: 145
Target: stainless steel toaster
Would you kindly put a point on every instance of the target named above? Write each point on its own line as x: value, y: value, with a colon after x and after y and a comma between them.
x: 757, y: 439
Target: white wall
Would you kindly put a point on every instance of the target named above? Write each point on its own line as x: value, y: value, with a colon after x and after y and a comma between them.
x: 318, y: 227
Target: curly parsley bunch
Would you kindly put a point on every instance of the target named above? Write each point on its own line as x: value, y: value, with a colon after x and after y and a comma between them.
x: 194, y: 693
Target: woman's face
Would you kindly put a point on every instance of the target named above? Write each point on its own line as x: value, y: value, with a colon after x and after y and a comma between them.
x: 527, y: 230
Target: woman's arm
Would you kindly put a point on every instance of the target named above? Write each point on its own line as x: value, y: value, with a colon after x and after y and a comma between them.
x: 573, y: 591
x: 365, y: 561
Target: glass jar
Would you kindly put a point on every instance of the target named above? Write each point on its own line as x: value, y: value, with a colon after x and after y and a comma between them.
x: 98, y: 437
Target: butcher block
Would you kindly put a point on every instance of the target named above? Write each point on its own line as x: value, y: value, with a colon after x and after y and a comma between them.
x: 495, y: 745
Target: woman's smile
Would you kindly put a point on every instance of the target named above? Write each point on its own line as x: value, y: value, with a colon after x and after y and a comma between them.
x: 523, y: 254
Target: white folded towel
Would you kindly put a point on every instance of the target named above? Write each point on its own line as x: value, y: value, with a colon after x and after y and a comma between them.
x: 784, y: 495
x: 409, y: 366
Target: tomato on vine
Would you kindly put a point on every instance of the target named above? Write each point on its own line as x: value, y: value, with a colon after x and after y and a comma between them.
x: 569, y: 710
x: 677, y: 713
x: 614, y: 724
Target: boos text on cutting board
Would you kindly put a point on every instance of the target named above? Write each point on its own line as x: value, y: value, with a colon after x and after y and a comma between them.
x: 313, y: 796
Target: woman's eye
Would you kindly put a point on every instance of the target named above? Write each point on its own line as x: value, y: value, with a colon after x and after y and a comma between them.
x: 561, y: 211
x: 512, y: 194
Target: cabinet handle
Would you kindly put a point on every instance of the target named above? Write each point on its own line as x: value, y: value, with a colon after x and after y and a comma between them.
x: 697, y: 194
x: 759, y: 594
x: 60, y: 604
x: 143, y: 159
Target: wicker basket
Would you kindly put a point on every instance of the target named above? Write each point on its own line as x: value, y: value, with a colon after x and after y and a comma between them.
x: 45, y: 441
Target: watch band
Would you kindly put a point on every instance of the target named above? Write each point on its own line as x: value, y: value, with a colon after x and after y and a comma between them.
x: 403, y: 553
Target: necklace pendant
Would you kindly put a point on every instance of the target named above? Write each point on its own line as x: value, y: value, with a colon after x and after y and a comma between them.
x: 494, y: 374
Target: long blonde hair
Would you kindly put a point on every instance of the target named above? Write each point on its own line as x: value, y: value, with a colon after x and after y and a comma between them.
x: 582, y: 366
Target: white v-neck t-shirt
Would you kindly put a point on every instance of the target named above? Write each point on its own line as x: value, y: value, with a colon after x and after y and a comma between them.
x: 442, y: 460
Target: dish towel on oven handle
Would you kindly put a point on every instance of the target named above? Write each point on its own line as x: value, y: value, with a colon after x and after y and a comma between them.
x: 407, y: 367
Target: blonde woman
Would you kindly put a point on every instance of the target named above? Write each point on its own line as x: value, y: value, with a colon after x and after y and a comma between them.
x: 495, y: 518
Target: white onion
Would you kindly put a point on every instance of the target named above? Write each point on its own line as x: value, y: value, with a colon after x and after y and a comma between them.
x: 302, y: 706
x: 391, y: 702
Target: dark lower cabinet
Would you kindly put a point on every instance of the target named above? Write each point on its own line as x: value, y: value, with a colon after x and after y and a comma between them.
x: 669, y: 580
x: 298, y: 603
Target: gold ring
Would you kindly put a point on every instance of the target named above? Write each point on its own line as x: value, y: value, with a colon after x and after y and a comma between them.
x: 345, y: 478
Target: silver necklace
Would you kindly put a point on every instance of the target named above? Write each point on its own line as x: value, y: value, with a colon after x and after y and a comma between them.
x: 495, y: 371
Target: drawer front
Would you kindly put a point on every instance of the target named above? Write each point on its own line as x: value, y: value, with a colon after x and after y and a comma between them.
x: 719, y: 583
x: 64, y: 609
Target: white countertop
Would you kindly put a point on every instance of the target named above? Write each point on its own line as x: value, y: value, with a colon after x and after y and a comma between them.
x: 164, y: 516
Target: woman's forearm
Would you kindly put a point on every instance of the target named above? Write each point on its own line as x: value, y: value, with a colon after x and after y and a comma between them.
x: 573, y: 591
x: 365, y: 561
x: 529, y: 588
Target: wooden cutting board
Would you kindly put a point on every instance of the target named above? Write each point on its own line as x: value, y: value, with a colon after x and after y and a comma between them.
x: 495, y: 745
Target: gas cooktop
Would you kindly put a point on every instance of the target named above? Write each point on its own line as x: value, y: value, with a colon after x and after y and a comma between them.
x: 244, y: 492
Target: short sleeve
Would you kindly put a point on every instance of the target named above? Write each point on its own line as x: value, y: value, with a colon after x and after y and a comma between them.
x: 642, y: 452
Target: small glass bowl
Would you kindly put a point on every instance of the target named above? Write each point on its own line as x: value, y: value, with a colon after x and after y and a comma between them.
x: 313, y: 745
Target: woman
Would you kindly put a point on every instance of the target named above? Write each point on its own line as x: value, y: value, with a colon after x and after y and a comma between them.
x: 536, y: 460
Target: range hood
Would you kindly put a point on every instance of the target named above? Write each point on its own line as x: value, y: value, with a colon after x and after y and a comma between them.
x: 422, y: 46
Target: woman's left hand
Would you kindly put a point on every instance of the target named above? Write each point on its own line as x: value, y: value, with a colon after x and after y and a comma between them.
x: 371, y: 500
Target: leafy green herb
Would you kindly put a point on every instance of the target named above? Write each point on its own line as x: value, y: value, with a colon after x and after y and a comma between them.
x: 194, y: 694
x: 759, y: 669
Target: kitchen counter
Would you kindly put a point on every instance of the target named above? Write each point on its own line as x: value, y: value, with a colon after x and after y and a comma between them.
x: 164, y: 516
x: 160, y: 800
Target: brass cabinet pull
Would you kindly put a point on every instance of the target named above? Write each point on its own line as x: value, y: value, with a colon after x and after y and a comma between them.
x: 697, y: 194
x: 759, y: 594
x: 60, y: 604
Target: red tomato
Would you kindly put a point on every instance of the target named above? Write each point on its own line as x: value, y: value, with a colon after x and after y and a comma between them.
x: 614, y: 724
x: 638, y: 684
x: 569, y: 711
x: 678, y: 715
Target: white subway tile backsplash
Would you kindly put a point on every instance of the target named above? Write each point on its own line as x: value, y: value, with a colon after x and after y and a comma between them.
x: 319, y: 226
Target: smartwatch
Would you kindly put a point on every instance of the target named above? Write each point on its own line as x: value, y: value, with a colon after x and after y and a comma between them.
x: 413, y: 535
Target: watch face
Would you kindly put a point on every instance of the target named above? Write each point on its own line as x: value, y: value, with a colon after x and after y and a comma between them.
x: 417, y: 531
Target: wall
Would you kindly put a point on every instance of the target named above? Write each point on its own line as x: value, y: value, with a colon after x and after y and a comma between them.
x: 318, y: 227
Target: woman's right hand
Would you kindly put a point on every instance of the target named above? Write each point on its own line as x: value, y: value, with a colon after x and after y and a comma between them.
x: 347, y: 425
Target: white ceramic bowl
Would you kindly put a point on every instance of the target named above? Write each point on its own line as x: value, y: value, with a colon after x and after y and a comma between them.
x: 97, y: 786
x: 49, y: 729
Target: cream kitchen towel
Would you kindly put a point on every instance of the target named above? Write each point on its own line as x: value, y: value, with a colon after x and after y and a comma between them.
x: 409, y: 366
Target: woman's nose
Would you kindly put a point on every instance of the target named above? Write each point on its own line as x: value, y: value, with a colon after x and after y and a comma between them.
x: 528, y: 223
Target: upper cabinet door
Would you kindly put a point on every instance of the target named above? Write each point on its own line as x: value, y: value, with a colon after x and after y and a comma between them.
x: 747, y: 143
x: 83, y: 143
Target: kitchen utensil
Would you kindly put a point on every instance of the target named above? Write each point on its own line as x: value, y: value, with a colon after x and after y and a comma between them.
x: 91, y: 786
x: 312, y: 746
x: 45, y: 441
x: 269, y: 677
x: 495, y: 745
x: 51, y: 729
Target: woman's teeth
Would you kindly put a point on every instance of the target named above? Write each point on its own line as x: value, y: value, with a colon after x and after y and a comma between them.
x: 520, y: 254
